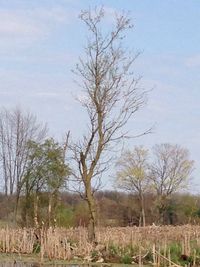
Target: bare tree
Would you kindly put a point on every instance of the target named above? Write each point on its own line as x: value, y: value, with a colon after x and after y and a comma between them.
x: 170, y: 172
x: 132, y: 175
x: 111, y: 97
x: 16, y: 129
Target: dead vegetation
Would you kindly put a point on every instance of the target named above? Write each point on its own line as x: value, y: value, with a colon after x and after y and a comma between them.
x: 158, y: 245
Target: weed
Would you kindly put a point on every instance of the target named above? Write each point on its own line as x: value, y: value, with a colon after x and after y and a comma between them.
x: 126, y: 259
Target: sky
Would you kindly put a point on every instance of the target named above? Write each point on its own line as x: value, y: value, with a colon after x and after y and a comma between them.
x: 41, y: 41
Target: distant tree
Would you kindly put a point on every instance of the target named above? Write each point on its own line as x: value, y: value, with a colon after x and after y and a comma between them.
x: 16, y: 129
x: 170, y: 171
x: 132, y: 175
x: 46, y: 172
x: 111, y: 97
x: 187, y: 208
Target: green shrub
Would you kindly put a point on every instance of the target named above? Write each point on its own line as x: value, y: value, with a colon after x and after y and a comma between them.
x: 65, y: 216
x: 113, y: 250
x: 126, y: 259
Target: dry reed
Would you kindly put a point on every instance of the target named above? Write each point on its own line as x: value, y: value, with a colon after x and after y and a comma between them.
x: 61, y: 243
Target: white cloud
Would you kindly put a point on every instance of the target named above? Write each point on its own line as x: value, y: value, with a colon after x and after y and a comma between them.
x: 31, y: 24
x: 193, y: 61
x: 12, y: 25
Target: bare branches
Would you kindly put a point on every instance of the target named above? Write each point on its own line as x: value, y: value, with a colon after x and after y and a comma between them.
x: 168, y: 172
x: 171, y: 169
x: 112, y: 97
x: 16, y: 129
x: 112, y: 92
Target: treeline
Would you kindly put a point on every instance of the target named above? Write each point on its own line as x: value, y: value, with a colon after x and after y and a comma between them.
x: 114, y: 209
x: 122, y: 209
x: 35, y: 170
x: 37, y: 176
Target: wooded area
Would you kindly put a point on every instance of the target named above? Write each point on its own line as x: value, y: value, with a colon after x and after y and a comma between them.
x: 113, y: 209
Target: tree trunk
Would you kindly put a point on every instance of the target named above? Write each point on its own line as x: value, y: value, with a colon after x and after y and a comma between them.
x: 36, y: 211
x: 162, y: 205
x: 16, y: 207
x: 143, y: 217
x: 161, y: 215
x: 26, y: 209
x: 142, y: 210
x: 54, y: 206
x: 49, y: 210
x: 18, y: 191
x: 92, y: 213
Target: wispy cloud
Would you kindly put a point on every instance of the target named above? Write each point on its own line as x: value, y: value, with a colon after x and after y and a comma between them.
x: 12, y: 24
x: 193, y: 61
x: 31, y: 24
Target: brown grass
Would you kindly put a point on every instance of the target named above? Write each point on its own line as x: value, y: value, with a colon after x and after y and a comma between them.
x: 61, y: 243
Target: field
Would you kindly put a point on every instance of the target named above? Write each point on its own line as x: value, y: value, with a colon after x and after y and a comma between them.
x: 153, y: 245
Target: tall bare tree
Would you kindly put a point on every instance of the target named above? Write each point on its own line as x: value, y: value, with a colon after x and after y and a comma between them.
x: 111, y: 97
x: 132, y: 175
x: 170, y: 172
x: 16, y: 129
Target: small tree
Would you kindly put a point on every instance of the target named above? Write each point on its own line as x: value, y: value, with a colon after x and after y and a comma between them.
x: 46, y: 172
x: 132, y: 175
x: 170, y: 171
x: 111, y: 98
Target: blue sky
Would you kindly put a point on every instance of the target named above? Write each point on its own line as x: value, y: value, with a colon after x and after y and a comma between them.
x: 42, y: 39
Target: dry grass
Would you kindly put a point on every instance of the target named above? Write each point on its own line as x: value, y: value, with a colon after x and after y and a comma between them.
x: 61, y: 243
